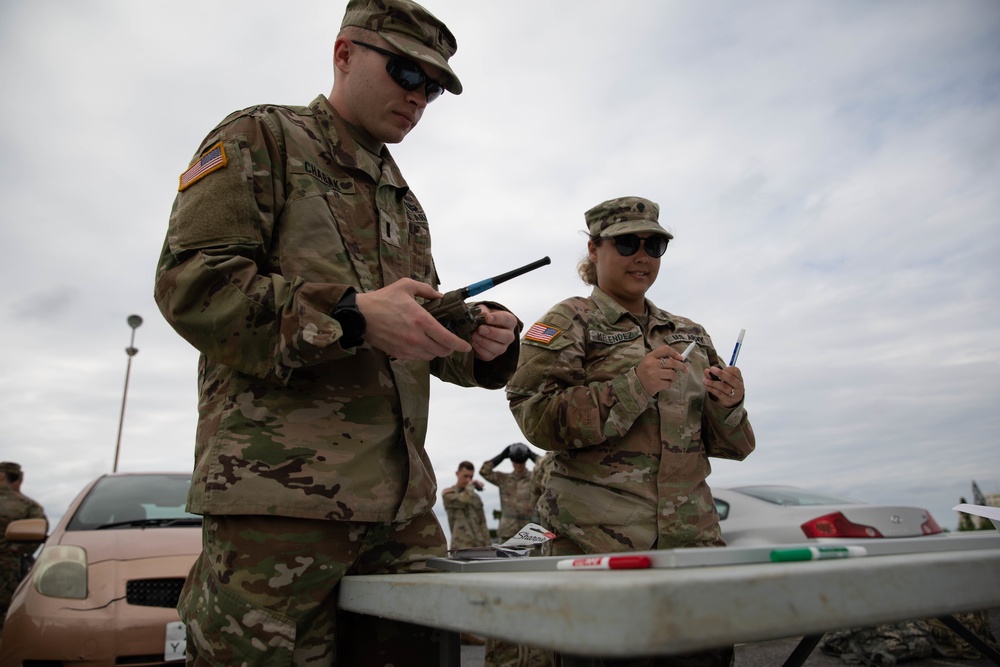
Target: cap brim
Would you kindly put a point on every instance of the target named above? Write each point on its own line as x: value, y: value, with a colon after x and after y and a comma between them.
x: 634, y: 227
x: 418, y: 51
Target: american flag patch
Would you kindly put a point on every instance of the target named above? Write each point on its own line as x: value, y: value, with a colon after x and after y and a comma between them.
x: 542, y: 333
x: 214, y: 158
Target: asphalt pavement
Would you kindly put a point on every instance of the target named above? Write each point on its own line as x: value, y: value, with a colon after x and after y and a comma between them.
x: 774, y: 653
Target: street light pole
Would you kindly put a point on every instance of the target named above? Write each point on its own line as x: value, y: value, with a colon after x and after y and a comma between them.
x: 134, y: 321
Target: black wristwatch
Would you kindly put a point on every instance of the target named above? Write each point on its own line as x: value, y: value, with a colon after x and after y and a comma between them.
x: 351, y: 320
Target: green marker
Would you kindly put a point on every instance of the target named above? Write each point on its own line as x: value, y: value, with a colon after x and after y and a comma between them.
x: 815, y: 553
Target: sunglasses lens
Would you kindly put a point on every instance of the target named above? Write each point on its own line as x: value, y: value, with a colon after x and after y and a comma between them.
x: 433, y: 91
x: 656, y: 246
x: 405, y: 73
x: 627, y: 244
x: 410, y: 77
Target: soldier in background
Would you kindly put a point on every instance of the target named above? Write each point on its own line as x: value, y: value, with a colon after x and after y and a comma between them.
x: 15, y: 559
x: 601, y: 382
x: 517, y: 505
x: 466, y: 517
x: 295, y: 261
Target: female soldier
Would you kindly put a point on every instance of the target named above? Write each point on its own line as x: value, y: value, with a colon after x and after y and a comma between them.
x: 602, y: 382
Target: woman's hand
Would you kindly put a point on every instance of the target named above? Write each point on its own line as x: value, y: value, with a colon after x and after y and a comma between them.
x: 728, y: 390
x: 658, y: 369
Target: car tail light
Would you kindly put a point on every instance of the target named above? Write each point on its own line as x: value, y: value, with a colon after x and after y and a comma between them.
x: 930, y: 527
x: 837, y: 525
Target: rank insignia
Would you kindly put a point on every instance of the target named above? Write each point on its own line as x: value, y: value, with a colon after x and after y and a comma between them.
x: 212, y: 160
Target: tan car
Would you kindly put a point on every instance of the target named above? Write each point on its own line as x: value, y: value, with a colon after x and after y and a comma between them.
x: 104, y: 588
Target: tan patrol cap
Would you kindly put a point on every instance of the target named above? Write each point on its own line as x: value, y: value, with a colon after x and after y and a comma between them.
x: 411, y: 29
x: 624, y: 215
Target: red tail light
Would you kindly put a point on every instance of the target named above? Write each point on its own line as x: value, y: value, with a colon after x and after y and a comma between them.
x: 930, y: 527
x: 837, y: 525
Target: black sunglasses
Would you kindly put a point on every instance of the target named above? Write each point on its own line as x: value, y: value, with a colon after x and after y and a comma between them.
x: 628, y: 244
x: 407, y: 73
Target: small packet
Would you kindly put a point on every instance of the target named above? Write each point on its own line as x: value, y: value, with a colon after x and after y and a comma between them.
x: 519, y: 546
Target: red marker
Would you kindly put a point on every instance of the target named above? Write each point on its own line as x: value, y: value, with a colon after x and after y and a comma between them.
x: 605, y: 563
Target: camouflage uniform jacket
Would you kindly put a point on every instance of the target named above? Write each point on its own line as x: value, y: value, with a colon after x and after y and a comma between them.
x: 540, y: 479
x: 517, y: 505
x: 258, y: 253
x: 466, y: 518
x: 630, y: 469
x: 13, y: 507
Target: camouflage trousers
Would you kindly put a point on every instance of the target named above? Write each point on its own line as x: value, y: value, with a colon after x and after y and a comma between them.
x: 723, y: 656
x: 10, y: 578
x: 498, y: 653
x: 264, y: 592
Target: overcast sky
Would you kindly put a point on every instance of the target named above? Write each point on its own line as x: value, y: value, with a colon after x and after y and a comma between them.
x: 830, y: 170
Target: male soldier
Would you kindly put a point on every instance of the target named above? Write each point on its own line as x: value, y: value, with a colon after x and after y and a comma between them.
x: 15, y: 559
x: 466, y: 519
x: 517, y: 507
x: 294, y: 261
x: 465, y: 510
x: 516, y: 504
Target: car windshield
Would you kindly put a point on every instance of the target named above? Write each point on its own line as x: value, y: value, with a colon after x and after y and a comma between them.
x: 788, y: 495
x: 135, y: 501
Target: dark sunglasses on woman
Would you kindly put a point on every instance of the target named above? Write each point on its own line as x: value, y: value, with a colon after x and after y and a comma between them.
x: 406, y: 73
x: 628, y: 244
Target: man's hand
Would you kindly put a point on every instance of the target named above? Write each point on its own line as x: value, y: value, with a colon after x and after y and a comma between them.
x: 400, y: 327
x: 492, y: 339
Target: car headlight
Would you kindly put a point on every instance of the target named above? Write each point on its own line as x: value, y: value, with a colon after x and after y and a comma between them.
x: 61, y: 572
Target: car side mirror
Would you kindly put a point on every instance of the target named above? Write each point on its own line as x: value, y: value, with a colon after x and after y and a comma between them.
x: 27, y: 530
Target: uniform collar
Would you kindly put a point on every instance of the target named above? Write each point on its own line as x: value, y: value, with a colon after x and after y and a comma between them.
x: 613, y: 311
x: 350, y: 152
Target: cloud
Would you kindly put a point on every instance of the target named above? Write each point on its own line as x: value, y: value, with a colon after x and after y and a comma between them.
x: 828, y: 170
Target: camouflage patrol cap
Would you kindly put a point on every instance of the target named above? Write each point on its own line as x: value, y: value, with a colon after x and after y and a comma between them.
x: 410, y: 28
x: 7, y: 466
x: 624, y: 215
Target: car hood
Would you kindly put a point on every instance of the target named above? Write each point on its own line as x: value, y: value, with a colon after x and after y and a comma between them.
x: 134, y: 543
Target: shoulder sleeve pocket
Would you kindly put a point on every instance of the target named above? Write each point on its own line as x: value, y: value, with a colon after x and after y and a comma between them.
x: 217, y: 208
x: 551, y: 332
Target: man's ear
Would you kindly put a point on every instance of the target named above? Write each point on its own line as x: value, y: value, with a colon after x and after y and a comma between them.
x: 342, y: 54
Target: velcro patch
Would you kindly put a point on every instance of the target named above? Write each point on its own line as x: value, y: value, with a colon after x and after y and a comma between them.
x: 542, y: 333
x: 212, y: 160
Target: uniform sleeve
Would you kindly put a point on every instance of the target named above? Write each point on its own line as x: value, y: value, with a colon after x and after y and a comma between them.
x: 212, y: 281
x: 486, y: 472
x: 35, y: 511
x: 451, y: 500
x: 456, y: 500
x: 466, y: 371
x: 727, y: 433
x: 554, y: 404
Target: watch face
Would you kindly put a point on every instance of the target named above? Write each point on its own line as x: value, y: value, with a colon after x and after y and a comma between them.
x: 352, y: 322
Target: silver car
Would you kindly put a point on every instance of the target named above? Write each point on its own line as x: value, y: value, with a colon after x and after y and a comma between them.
x: 759, y: 515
